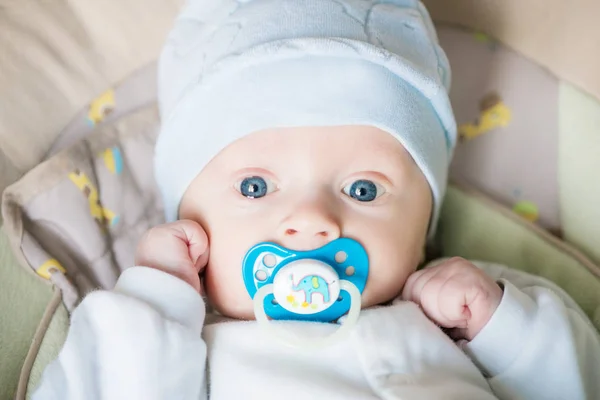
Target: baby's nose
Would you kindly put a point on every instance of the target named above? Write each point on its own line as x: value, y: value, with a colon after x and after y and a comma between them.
x: 308, y: 228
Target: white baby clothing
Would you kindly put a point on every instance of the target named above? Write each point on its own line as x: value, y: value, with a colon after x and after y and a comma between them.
x: 146, y: 340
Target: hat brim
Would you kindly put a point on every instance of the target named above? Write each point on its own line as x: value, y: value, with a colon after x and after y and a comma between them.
x: 303, y: 91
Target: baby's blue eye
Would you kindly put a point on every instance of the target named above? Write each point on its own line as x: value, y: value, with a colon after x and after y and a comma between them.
x: 255, y: 187
x: 363, y: 190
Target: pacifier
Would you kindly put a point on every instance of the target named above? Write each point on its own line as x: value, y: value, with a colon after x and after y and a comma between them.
x: 319, y: 285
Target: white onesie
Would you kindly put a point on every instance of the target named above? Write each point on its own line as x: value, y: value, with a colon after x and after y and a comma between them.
x: 146, y: 340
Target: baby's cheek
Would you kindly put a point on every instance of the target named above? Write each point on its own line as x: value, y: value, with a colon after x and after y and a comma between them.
x: 385, y: 284
x: 226, y: 292
x: 391, y: 263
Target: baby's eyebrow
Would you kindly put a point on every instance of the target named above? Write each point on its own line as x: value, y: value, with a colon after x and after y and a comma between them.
x: 250, y: 170
x: 379, y: 176
x: 391, y: 165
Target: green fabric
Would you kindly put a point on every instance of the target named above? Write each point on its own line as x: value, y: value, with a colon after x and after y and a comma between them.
x: 578, y: 166
x: 472, y: 229
x: 51, y: 345
x: 23, y: 299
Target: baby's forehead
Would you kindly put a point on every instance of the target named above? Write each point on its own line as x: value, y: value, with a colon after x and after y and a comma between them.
x: 351, y: 147
x: 357, y: 140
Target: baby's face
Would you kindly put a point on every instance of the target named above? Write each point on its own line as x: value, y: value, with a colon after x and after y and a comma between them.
x: 302, y: 188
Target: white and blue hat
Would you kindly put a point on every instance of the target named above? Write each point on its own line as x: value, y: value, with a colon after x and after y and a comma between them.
x: 233, y: 67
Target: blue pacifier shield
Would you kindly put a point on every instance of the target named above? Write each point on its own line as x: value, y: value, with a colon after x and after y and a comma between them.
x: 306, y: 284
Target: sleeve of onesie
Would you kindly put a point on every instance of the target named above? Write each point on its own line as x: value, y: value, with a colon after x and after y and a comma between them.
x: 538, y: 345
x: 140, y: 341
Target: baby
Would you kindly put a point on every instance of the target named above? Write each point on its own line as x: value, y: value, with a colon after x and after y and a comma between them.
x: 302, y: 123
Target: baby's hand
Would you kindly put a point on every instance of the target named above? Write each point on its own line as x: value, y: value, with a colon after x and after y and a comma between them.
x: 455, y: 295
x: 179, y: 248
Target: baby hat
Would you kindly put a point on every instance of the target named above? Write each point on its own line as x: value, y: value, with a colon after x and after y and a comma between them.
x: 233, y: 67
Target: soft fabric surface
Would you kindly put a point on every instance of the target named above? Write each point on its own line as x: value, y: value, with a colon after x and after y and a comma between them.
x: 57, y: 56
x: 394, y: 351
x: 578, y: 168
x: 50, y: 347
x: 77, y: 218
x: 560, y: 35
x: 23, y: 299
x: 506, y: 109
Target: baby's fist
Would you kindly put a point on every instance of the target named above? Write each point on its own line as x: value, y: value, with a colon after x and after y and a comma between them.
x: 179, y: 248
x: 455, y: 295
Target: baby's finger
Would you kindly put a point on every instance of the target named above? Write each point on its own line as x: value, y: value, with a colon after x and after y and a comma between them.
x: 416, y: 282
x: 429, y: 299
x: 453, y: 302
x: 165, y: 247
x: 410, y: 283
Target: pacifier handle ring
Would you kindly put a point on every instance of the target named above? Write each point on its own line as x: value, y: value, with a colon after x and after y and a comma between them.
x: 339, y: 334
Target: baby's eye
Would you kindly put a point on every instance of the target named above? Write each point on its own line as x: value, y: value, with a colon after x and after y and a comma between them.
x: 364, y: 190
x: 255, y: 187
